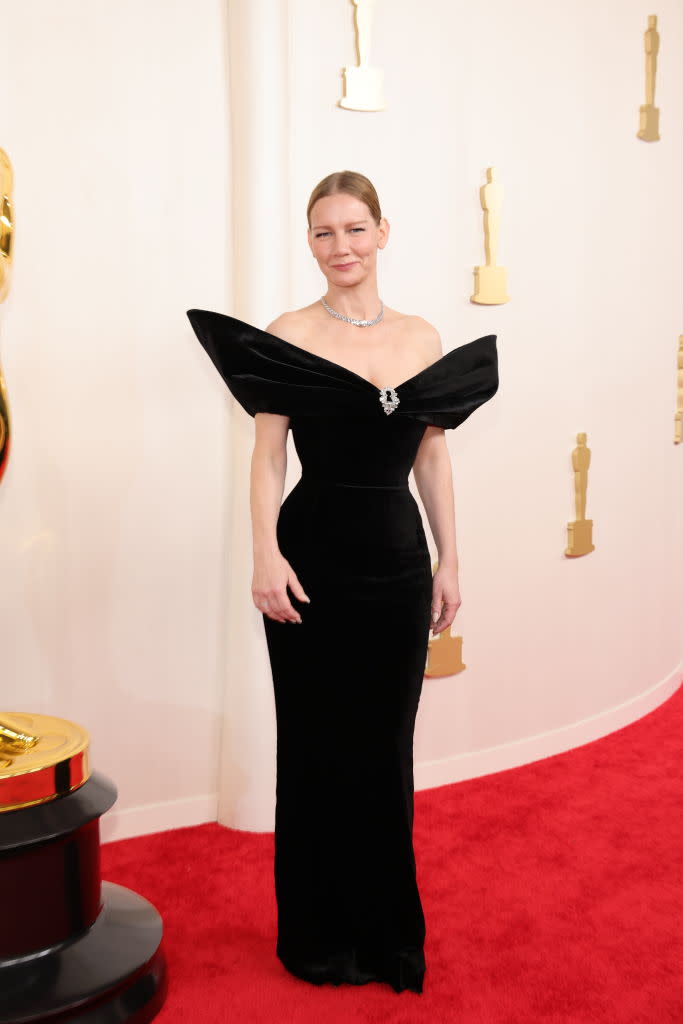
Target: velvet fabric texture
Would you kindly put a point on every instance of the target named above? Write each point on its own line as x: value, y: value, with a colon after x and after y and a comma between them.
x: 347, y: 680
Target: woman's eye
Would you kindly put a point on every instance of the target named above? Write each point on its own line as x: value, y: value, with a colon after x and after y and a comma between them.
x: 321, y: 234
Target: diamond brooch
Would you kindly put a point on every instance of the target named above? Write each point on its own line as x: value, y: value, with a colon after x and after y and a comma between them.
x: 389, y: 399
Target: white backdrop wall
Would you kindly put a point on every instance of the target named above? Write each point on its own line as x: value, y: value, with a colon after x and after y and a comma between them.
x: 113, y: 503
x: 171, y: 136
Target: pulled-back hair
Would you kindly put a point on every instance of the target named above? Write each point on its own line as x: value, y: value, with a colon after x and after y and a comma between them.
x: 351, y: 182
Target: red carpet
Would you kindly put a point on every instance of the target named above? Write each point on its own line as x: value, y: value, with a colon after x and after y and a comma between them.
x: 553, y: 893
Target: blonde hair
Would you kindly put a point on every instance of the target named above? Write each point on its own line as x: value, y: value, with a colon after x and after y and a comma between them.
x: 351, y: 182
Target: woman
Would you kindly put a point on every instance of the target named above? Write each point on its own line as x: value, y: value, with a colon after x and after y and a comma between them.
x: 346, y: 557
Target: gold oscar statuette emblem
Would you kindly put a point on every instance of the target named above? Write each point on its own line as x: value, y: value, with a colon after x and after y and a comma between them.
x: 679, y: 392
x: 41, y: 758
x: 580, y: 532
x: 363, y: 84
x: 444, y: 652
x: 490, y: 281
x: 649, y: 113
x: 6, y: 238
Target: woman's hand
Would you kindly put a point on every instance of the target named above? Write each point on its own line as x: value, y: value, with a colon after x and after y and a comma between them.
x: 445, y: 597
x: 272, y: 575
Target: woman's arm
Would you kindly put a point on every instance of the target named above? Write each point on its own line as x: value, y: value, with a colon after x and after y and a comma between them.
x: 432, y: 471
x: 434, y: 479
x: 272, y: 572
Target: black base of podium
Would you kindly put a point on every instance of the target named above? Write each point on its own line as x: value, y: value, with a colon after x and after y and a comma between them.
x: 72, y: 948
x: 116, y: 972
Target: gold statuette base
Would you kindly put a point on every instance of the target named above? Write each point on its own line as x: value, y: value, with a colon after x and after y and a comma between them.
x: 490, y: 286
x: 444, y: 655
x: 363, y: 88
x: 41, y: 758
x: 579, y: 538
x: 649, y: 123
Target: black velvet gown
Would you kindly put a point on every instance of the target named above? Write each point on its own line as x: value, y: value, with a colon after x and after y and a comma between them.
x: 347, y: 681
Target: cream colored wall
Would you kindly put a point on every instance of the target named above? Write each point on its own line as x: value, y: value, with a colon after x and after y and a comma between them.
x: 125, y: 597
x: 113, y: 503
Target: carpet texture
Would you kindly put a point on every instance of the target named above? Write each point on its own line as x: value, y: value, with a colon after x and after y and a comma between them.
x: 552, y: 893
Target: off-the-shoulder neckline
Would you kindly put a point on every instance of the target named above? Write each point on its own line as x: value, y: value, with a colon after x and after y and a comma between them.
x: 338, y: 366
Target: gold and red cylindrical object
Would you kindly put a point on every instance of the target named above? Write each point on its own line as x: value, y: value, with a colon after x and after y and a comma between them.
x: 41, y: 758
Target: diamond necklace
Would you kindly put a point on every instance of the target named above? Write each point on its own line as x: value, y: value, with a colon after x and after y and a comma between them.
x: 350, y: 319
x: 389, y: 400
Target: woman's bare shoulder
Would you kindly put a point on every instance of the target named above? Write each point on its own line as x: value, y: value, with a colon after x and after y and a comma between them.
x: 282, y: 325
x: 426, y: 336
x: 294, y: 325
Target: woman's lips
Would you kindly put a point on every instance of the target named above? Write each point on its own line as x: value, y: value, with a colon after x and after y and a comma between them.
x: 343, y: 266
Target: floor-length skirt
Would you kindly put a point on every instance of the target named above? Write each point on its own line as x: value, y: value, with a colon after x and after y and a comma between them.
x: 347, y: 684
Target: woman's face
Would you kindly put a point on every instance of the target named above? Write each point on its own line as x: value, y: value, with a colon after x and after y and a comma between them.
x: 344, y: 238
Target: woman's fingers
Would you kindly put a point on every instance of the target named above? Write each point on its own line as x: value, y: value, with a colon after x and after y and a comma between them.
x: 436, y: 603
x: 272, y: 575
x: 296, y: 587
x: 448, y: 610
x: 276, y: 605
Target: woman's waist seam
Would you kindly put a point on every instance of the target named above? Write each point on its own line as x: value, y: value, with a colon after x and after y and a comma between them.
x: 323, y: 482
